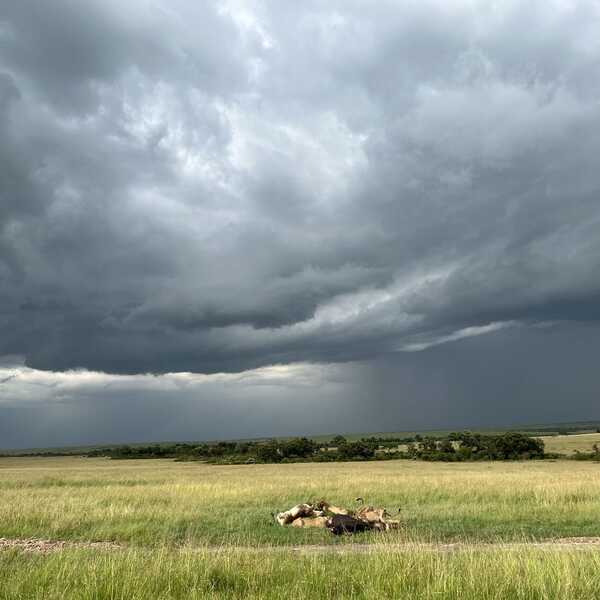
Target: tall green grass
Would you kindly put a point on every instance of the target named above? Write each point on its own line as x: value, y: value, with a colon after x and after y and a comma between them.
x: 415, y: 574
x: 155, y: 503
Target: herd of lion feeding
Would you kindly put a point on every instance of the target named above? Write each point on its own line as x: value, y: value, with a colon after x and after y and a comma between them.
x: 338, y: 520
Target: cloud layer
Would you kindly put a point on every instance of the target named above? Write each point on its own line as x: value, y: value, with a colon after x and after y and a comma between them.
x: 214, y: 187
x: 510, y: 377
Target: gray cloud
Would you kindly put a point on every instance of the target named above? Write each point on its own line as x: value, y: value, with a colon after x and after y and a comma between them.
x: 515, y: 376
x: 221, y: 186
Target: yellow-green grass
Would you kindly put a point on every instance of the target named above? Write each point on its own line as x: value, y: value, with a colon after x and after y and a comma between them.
x: 413, y: 574
x: 568, y: 444
x: 161, y: 502
x: 166, y: 512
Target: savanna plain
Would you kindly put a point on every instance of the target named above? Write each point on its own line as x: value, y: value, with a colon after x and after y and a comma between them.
x: 193, y: 530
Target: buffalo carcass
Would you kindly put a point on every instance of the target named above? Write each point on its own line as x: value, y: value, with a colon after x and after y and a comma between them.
x: 340, y: 524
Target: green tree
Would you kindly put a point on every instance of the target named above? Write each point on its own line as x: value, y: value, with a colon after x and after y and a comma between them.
x: 356, y: 450
x: 268, y: 452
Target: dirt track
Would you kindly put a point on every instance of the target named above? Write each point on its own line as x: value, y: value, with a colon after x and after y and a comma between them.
x: 46, y: 546
x: 576, y: 543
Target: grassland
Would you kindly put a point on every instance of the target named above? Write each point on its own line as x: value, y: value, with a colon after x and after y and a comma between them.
x: 569, y: 444
x: 170, y: 517
x: 415, y: 574
x: 154, y: 502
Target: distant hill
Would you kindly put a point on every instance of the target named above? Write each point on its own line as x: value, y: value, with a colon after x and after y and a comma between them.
x: 547, y: 429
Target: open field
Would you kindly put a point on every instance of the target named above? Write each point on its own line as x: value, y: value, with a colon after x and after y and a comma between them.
x: 414, y: 575
x: 168, y: 517
x: 568, y: 444
x: 157, y: 502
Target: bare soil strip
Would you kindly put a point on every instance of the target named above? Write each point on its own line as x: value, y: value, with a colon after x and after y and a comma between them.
x: 582, y: 543
x: 591, y: 543
x: 46, y: 546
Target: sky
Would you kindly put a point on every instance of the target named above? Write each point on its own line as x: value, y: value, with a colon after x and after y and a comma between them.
x: 250, y: 218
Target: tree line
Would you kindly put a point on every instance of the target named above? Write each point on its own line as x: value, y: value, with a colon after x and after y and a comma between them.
x: 460, y: 446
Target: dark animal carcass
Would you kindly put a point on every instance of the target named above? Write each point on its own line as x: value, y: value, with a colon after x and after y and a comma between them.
x: 340, y: 524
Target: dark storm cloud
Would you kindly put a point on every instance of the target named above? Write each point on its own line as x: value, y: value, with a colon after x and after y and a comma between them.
x: 215, y: 187
x: 512, y: 377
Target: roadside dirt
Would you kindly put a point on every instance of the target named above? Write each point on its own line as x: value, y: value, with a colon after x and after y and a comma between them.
x: 47, y: 546
x: 589, y: 543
